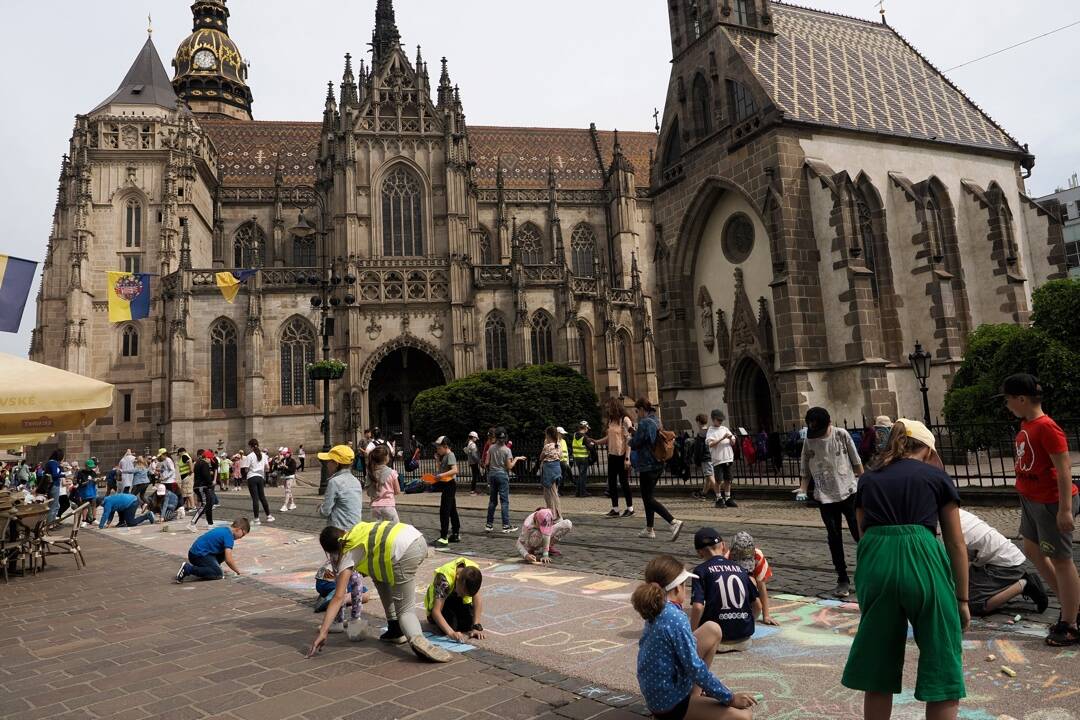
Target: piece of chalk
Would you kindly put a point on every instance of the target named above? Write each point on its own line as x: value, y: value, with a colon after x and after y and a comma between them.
x: 758, y: 697
x: 1018, y: 618
x: 991, y: 657
x: 1008, y: 671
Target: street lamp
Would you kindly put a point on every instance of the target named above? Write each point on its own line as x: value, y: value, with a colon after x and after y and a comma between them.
x: 920, y: 364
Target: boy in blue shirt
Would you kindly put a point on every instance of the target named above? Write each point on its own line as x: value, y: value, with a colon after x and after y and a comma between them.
x: 123, y: 505
x: 722, y: 591
x: 211, y: 549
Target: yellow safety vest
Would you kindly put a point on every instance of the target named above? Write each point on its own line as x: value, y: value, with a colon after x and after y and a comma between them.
x: 563, y: 452
x: 581, y: 452
x: 377, y: 539
x: 448, y: 571
x: 183, y: 467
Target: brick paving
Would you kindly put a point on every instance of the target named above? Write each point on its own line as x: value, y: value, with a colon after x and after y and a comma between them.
x: 116, y: 641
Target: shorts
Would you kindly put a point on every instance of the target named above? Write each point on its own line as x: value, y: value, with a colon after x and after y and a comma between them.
x: 187, y: 486
x: 903, y: 575
x: 1038, y: 523
x: 676, y: 713
x: 987, y: 581
x: 723, y: 469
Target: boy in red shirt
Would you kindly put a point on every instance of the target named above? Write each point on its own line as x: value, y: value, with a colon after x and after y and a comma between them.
x: 1048, y: 500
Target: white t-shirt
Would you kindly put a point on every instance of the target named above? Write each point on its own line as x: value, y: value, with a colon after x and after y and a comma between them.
x: 405, y: 537
x: 257, y: 467
x: 985, y: 545
x: 167, y: 470
x: 724, y: 451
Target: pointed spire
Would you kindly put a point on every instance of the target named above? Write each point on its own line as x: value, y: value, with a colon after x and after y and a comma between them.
x: 330, y: 113
x: 146, y: 82
x: 635, y: 272
x: 386, y: 38
x: 446, y: 90
x: 348, y: 85
x: 185, y: 245
x: 619, y: 161
x: 419, y: 61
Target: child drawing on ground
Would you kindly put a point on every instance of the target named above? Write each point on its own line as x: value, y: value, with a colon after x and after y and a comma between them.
x: 326, y: 586
x: 453, y: 601
x: 744, y: 553
x: 539, y: 533
x: 722, y: 592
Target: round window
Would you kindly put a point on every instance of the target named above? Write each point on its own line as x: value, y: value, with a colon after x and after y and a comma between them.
x: 738, y: 240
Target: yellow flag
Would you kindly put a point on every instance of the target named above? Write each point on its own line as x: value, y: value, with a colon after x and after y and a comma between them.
x: 228, y: 284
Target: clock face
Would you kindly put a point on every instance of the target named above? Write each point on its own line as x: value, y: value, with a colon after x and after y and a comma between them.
x: 205, y: 60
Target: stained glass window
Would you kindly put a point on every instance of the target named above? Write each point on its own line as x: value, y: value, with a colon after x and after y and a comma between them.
x: 495, y: 342
x: 532, y: 245
x: 297, y: 351
x: 542, y: 345
x: 223, y: 365
x: 402, y: 213
x: 582, y: 250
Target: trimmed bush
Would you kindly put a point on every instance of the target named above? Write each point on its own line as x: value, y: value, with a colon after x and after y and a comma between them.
x: 524, y: 401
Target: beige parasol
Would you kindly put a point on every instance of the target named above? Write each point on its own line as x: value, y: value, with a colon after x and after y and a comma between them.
x: 37, y: 401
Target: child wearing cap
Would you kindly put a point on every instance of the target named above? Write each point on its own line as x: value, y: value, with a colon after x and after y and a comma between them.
x: 446, y: 480
x: 831, y: 461
x: 722, y: 592
x: 382, y: 485
x: 539, y: 533
x: 904, y: 575
x: 673, y: 662
x: 583, y: 447
x: 1048, y: 500
x: 744, y: 553
x: 343, y: 502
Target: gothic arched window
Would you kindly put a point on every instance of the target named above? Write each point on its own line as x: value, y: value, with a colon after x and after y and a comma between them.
x: 222, y: 365
x: 297, y: 352
x: 489, y: 247
x: 583, y: 250
x: 584, y: 349
x: 495, y: 342
x: 742, y: 12
x: 304, y: 252
x: 402, y: 213
x: 866, y: 240
x: 129, y: 342
x: 133, y: 224
x: 542, y: 345
x: 702, y: 111
x: 741, y: 101
x: 248, y: 243
x: 673, y: 149
x: 626, y: 375
x: 531, y: 243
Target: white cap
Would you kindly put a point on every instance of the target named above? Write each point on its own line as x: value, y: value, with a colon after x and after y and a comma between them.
x: 442, y: 440
x: 474, y: 436
x: 560, y: 430
x: 683, y: 577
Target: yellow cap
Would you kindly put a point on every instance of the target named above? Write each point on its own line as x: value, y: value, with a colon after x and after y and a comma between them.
x: 341, y: 454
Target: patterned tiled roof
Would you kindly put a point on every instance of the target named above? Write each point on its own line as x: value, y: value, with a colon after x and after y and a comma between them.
x: 527, y: 153
x: 842, y: 72
x: 248, y: 151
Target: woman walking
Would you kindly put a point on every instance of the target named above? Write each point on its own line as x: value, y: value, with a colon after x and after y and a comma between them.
x: 551, y: 470
x: 617, y: 441
x: 904, y: 575
x: 257, y: 464
x: 649, y: 469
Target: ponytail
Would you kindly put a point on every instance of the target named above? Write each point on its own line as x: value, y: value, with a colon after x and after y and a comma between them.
x: 377, y: 458
x: 898, y: 447
x: 649, y: 599
x: 254, y: 445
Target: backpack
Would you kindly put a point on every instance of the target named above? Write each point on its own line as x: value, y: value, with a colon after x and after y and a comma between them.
x: 699, y: 451
x: 748, y: 452
x: 664, y: 446
x: 414, y: 462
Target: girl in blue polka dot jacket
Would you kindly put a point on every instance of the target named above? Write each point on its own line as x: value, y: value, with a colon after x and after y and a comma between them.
x: 673, y: 663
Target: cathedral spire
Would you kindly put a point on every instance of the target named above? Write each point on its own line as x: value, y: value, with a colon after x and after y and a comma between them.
x: 348, y: 85
x: 446, y: 90
x: 386, y: 38
x: 330, y: 113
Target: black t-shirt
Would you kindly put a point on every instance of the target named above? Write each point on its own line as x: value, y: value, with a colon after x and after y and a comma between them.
x: 728, y: 594
x: 204, y: 474
x: 906, y: 492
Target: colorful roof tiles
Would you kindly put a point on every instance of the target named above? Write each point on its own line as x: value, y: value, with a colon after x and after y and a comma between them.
x: 842, y: 72
x: 249, y: 151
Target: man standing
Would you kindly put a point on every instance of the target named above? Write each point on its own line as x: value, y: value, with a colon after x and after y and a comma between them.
x: 831, y: 460
x: 583, y: 446
x: 127, y: 471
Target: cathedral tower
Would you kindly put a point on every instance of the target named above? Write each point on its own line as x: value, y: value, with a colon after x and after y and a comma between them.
x: 211, y: 75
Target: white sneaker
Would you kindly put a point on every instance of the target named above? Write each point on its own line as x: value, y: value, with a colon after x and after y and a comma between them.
x: 647, y: 533
x: 284, y: 509
x: 256, y: 522
x: 676, y: 528
x: 192, y: 528
x: 293, y: 506
x: 270, y: 518
x: 337, y: 627
x: 354, y: 629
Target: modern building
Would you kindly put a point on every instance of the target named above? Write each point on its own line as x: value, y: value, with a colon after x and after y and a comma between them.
x: 1068, y: 202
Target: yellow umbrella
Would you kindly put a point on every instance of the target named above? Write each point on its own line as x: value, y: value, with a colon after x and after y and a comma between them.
x: 37, y: 401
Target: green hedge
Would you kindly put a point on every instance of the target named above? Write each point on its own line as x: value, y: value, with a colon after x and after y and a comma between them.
x: 1049, y: 348
x: 524, y: 401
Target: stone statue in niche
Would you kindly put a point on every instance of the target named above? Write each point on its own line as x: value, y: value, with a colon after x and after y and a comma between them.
x: 708, y: 332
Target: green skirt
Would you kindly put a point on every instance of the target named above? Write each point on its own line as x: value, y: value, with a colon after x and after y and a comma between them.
x: 903, y: 576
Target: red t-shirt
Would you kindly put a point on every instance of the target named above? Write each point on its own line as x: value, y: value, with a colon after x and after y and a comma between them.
x: 1036, y: 476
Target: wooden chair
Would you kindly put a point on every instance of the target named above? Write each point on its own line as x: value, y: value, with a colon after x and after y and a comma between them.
x: 69, y: 544
x: 8, y: 548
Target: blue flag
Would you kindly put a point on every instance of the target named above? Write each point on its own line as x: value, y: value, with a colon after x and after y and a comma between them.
x: 16, y: 277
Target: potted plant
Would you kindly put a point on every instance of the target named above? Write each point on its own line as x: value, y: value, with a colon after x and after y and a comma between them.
x: 326, y: 370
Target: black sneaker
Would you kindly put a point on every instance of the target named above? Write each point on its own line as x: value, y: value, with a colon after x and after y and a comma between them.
x: 720, y: 503
x: 454, y: 538
x: 393, y: 634
x: 1034, y: 592
x: 730, y: 502
x: 628, y: 512
x: 180, y: 574
x: 1061, y: 635
x: 508, y: 529
x: 612, y: 513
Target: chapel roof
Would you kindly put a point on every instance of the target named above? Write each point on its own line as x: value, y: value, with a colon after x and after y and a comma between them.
x: 836, y: 71
x: 247, y: 152
x: 146, y: 82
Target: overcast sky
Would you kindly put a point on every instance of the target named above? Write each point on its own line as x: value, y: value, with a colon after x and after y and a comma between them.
x: 554, y: 63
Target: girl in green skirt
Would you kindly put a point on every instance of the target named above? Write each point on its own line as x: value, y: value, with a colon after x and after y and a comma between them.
x: 904, y: 576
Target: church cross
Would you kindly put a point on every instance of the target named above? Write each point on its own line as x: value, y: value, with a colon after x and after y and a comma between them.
x: 260, y: 156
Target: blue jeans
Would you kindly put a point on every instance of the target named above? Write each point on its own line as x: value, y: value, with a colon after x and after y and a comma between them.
x: 582, y: 467
x: 54, y: 502
x: 499, y: 484
x: 204, y: 567
x: 127, y: 517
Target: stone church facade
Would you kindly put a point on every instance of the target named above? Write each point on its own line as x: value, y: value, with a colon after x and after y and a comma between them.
x: 463, y: 248
x: 818, y: 199
x: 824, y: 198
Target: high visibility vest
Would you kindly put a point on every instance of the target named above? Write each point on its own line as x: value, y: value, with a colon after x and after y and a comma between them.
x: 183, y: 467
x: 377, y: 539
x: 448, y: 571
x: 564, y: 454
x: 581, y: 452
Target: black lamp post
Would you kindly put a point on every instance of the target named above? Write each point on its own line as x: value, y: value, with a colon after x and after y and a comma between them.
x: 920, y: 364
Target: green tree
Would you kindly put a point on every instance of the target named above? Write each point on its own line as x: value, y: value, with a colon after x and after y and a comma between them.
x: 524, y: 401
x: 1049, y: 349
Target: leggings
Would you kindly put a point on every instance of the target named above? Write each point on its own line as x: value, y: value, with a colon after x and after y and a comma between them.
x: 618, y: 476
x: 207, y: 499
x: 448, y: 514
x: 257, y: 490
x: 833, y: 515
x: 653, y: 506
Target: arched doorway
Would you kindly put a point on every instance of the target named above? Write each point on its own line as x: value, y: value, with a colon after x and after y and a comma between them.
x: 395, y: 382
x: 750, y: 397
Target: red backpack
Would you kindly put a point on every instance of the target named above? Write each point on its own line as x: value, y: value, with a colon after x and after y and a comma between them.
x: 748, y: 452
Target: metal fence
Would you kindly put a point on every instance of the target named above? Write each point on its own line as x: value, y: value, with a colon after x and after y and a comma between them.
x: 974, y: 454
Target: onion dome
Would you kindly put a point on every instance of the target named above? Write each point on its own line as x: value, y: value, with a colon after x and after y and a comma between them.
x: 210, y: 74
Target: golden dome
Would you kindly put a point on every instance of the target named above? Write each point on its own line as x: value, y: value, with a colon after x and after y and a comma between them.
x: 209, y: 69
x: 224, y: 59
